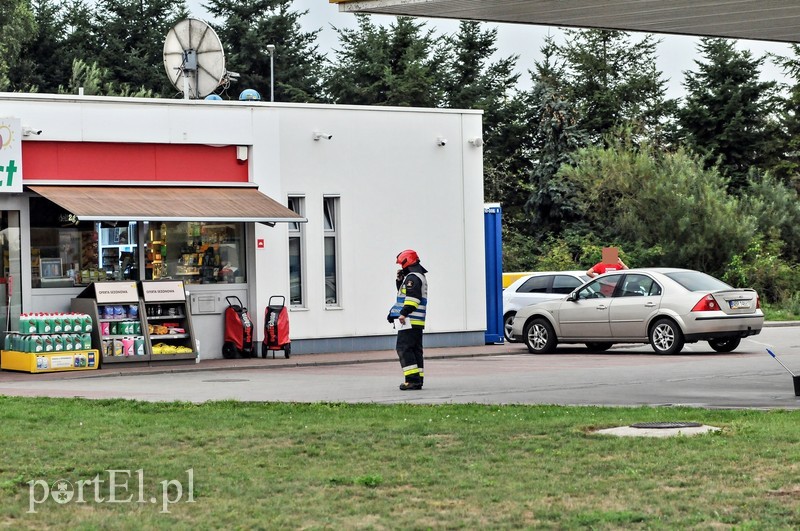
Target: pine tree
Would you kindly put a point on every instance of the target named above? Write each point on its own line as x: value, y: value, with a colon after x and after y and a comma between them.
x: 613, y: 82
x: 557, y: 135
x: 787, y: 168
x: 729, y: 116
x: 395, y: 65
x: 130, y: 36
x: 248, y: 26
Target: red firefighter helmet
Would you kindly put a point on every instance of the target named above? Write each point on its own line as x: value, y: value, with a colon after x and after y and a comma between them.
x: 407, y: 258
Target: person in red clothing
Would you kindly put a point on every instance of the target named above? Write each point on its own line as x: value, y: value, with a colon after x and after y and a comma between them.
x: 611, y: 262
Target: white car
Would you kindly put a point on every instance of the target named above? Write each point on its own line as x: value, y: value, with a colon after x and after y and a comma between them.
x: 662, y: 306
x: 535, y: 288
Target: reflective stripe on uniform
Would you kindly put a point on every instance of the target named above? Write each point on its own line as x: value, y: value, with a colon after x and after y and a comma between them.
x: 411, y: 369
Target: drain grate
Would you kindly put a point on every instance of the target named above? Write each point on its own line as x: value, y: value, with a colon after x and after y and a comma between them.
x: 665, y: 425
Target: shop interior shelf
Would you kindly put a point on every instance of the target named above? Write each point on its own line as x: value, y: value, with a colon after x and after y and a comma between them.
x: 164, y: 317
x: 168, y: 336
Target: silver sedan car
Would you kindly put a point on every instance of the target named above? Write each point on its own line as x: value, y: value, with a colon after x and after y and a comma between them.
x: 661, y: 306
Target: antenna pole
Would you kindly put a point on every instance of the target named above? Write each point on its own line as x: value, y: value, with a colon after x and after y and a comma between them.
x: 271, y: 51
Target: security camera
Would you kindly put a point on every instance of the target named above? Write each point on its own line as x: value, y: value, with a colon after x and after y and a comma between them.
x: 318, y: 135
x: 441, y: 141
x: 28, y: 131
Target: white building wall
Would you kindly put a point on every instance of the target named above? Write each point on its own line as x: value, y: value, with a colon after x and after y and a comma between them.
x: 398, y: 189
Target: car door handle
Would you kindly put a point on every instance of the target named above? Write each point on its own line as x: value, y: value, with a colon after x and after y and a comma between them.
x: 649, y: 305
x: 601, y: 307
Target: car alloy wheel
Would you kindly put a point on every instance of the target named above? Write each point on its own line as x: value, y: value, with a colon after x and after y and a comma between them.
x: 666, y: 337
x: 540, y: 338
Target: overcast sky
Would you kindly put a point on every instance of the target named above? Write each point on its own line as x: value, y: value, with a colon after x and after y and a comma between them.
x: 675, y: 54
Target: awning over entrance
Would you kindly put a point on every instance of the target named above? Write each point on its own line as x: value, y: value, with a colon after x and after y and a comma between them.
x: 168, y: 203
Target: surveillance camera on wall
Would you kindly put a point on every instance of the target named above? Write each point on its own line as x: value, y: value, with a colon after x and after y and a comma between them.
x: 318, y: 135
x: 28, y: 131
x: 441, y: 141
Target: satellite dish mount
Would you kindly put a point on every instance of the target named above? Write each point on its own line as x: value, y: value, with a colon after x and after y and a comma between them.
x: 194, y: 59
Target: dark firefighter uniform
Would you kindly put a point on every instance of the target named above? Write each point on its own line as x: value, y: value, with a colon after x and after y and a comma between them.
x: 412, y: 301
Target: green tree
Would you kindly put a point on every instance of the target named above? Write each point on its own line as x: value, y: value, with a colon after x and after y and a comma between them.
x: 130, y: 35
x: 394, y: 65
x: 17, y: 25
x: 729, y: 116
x: 787, y: 168
x: 552, y: 203
x: 641, y: 198
x: 248, y: 26
x: 42, y: 67
x: 97, y: 81
x: 613, y: 81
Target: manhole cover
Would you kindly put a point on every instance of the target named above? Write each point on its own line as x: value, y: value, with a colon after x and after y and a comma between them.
x: 665, y: 425
x: 227, y: 380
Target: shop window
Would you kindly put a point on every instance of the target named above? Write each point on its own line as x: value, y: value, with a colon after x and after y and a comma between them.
x: 331, y: 221
x: 296, y: 254
x: 66, y: 252
x: 195, y: 252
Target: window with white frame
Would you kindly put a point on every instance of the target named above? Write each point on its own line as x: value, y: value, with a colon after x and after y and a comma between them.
x: 330, y: 212
x: 297, y: 253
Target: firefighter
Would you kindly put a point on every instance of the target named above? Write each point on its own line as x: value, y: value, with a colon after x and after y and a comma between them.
x: 409, y: 311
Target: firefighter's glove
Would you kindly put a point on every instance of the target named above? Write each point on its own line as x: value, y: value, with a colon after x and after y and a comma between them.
x: 391, y: 318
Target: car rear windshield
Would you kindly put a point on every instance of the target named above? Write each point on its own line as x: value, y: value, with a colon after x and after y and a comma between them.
x: 697, y: 281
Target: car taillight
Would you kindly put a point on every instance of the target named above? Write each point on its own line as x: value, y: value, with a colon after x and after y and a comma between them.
x: 706, y: 304
x: 758, y: 302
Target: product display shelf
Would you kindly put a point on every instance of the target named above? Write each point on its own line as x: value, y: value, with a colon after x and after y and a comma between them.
x: 168, y: 322
x: 118, y: 338
x: 163, y: 343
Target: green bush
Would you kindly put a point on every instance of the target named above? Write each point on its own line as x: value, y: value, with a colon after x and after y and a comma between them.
x: 761, y: 267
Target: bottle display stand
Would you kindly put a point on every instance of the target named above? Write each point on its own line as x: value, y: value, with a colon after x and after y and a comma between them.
x: 115, y: 307
x: 50, y: 342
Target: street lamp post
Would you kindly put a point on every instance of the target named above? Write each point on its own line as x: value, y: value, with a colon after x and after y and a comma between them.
x: 271, y: 50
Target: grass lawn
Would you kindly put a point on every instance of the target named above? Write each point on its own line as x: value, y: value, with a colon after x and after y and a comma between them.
x: 231, y: 465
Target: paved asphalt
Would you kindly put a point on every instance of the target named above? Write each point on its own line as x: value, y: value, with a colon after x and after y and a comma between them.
x: 493, y: 374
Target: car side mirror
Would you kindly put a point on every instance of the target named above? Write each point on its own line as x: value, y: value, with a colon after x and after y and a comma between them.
x: 572, y: 297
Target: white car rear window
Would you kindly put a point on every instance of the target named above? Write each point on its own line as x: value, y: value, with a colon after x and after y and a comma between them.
x: 697, y: 281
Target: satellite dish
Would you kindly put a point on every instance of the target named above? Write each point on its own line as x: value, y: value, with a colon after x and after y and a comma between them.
x: 193, y: 58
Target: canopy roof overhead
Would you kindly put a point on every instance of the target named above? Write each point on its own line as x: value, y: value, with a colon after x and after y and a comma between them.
x: 768, y: 20
x: 165, y: 203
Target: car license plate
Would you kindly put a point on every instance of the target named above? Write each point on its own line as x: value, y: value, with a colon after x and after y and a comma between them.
x: 738, y: 305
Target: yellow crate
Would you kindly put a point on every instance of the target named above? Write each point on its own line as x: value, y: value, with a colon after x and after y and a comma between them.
x: 71, y: 360
x: 510, y: 278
